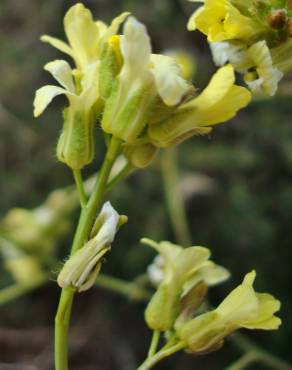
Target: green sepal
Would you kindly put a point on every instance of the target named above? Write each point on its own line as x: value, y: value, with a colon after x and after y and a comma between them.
x: 109, y: 69
x: 76, y: 143
x: 126, y: 113
x: 163, y: 308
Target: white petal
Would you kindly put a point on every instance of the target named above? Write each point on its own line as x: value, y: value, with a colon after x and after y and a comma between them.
x: 62, y: 72
x: 269, y: 75
x: 169, y: 83
x: 135, y: 47
x: 109, y: 219
x: 44, y: 96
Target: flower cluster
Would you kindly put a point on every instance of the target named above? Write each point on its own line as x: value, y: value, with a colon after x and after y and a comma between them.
x: 253, y: 35
x: 140, y: 98
x: 182, y: 276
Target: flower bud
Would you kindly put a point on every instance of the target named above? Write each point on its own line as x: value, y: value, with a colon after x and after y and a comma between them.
x: 242, y: 308
x: 163, y: 308
x: 81, y: 269
x: 76, y: 143
x: 277, y: 18
x: 140, y: 156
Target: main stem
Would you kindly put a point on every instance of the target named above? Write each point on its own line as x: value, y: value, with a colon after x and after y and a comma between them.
x: 87, y: 216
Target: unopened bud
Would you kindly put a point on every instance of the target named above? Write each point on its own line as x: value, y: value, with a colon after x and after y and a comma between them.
x: 81, y: 269
x: 277, y: 18
x: 76, y: 144
x: 140, y: 156
x: 163, y: 308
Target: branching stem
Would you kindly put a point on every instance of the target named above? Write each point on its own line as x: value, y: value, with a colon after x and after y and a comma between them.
x: 86, y: 220
x: 154, y: 343
x: 159, y: 356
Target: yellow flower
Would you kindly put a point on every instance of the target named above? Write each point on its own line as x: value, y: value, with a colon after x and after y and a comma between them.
x: 62, y: 72
x: 219, y: 102
x: 255, y: 62
x: 76, y: 143
x: 144, y: 78
x: 242, y: 308
x: 86, y: 37
x: 220, y: 20
x: 177, y: 272
x: 81, y: 269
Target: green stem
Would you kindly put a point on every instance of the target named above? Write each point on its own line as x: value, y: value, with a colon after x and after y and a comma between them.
x: 244, y: 361
x: 80, y: 187
x: 88, y: 214
x: 174, y: 198
x: 129, y: 289
x: 154, y: 343
x: 150, y: 362
x: 126, y: 170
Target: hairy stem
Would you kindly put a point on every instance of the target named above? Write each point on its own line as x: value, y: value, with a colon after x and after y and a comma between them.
x: 86, y: 220
x: 80, y: 187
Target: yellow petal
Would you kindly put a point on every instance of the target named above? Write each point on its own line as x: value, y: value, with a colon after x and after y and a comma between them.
x: 44, y: 96
x: 217, y: 88
x: 241, y: 305
x: 62, y: 72
x: 236, y: 98
x: 114, y: 26
x: 82, y: 33
x: 58, y: 44
x: 268, y: 305
x: 271, y: 323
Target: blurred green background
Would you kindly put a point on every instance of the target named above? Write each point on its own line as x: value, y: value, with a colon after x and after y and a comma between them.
x: 237, y: 184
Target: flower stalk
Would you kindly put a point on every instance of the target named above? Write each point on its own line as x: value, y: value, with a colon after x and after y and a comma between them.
x: 87, y: 217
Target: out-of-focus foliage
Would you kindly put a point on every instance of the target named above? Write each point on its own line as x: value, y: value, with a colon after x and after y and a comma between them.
x: 237, y: 184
